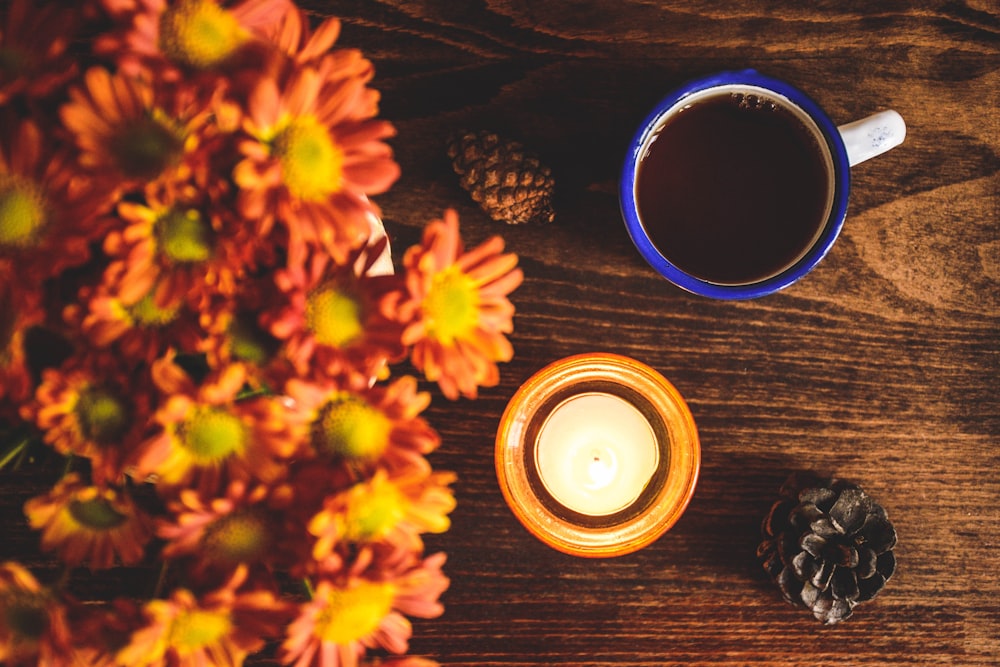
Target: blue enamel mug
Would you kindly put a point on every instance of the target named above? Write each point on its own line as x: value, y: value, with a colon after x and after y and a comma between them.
x: 736, y: 185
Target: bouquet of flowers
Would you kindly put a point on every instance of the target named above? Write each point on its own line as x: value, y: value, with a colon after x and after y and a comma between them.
x: 196, y: 314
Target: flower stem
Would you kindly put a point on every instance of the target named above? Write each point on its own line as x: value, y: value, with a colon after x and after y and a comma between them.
x: 253, y: 393
x: 16, y: 451
x: 310, y: 592
x: 162, y: 579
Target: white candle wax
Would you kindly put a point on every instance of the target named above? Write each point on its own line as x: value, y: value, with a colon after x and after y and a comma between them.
x: 595, y: 453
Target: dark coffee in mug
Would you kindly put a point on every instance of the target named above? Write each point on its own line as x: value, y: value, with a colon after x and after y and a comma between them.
x: 734, y: 187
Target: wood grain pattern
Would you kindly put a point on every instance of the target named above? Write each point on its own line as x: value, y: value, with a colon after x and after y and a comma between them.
x: 880, y: 366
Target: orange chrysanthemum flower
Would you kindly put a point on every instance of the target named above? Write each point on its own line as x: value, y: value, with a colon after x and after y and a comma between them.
x: 294, y: 37
x: 88, y: 525
x: 364, y: 426
x: 366, y: 608
x: 95, y: 408
x: 457, y: 308
x: 241, y: 338
x: 209, y: 436
x: 33, y: 627
x: 134, y: 130
x: 101, y: 631
x: 19, y: 311
x: 220, y: 628
x: 383, y: 509
x: 140, y: 328
x: 33, y: 44
x: 234, y: 333
x: 243, y: 527
x: 168, y: 38
x: 48, y: 212
x: 301, y: 45
x: 313, y: 152
x: 331, y: 322
x: 189, y: 250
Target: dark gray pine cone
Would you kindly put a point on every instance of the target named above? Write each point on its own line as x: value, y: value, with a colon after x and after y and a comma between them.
x: 827, y: 545
x: 507, y: 182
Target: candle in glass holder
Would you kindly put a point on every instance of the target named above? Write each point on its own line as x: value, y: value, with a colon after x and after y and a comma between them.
x: 597, y: 455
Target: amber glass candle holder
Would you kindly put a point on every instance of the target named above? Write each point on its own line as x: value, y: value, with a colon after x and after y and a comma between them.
x: 597, y: 455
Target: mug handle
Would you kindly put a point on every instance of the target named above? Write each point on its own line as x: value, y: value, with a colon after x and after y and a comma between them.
x: 872, y: 135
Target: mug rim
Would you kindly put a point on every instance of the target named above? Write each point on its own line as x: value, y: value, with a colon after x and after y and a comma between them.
x: 789, y: 275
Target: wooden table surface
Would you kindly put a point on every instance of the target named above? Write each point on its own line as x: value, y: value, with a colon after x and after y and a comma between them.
x: 881, y: 366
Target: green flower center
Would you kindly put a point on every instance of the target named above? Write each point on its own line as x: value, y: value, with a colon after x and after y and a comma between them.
x: 373, y: 511
x: 248, y: 342
x: 211, y: 434
x: 200, y: 34
x: 334, y: 316
x: 311, y: 163
x: 26, y: 616
x: 22, y: 213
x: 146, y: 147
x: 195, y: 629
x: 146, y: 313
x: 354, y: 613
x: 350, y: 428
x: 97, y: 514
x: 185, y: 236
x: 451, y: 306
x: 103, y: 416
x: 242, y: 537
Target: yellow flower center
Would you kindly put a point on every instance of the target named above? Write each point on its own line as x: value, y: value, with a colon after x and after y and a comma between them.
x: 146, y: 313
x: 96, y: 514
x: 211, y: 434
x: 200, y: 34
x: 373, y: 510
x: 451, y: 306
x: 103, y: 416
x: 354, y: 613
x: 22, y: 213
x: 349, y: 428
x: 242, y: 537
x: 26, y: 616
x: 185, y: 236
x: 311, y: 163
x: 195, y: 629
x: 334, y: 316
x: 248, y: 342
x: 145, y: 147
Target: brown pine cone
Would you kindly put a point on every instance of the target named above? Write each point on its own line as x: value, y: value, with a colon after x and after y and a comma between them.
x: 827, y: 545
x: 509, y: 183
